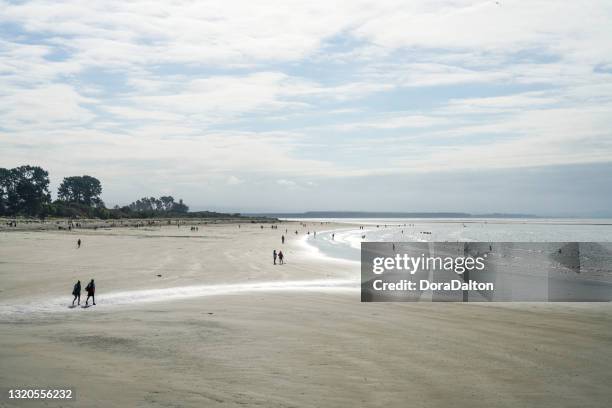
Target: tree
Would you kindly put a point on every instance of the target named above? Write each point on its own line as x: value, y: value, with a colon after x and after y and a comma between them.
x: 167, y: 202
x: 144, y: 204
x: 180, y: 207
x: 24, y: 190
x: 81, y: 189
x: 164, y: 204
x: 5, y: 183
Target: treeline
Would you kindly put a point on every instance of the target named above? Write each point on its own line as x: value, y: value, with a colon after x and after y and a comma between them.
x: 161, y: 204
x: 24, y: 191
x: 150, y: 207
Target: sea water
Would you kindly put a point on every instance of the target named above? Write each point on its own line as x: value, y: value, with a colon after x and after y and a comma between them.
x: 346, y: 242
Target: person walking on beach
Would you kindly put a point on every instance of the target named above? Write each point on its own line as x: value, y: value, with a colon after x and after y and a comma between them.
x: 79, y: 243
x: 76, y: 292
x: 274, y: 256
x: 280, y: 257
x: 282, y: 239
x: 91, y: 291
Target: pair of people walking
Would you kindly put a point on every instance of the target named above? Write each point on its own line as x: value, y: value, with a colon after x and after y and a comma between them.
x: 278, y: 255
x: 91, y: 292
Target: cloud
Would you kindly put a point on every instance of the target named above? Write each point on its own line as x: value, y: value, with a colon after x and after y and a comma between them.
x: 43, y: 107
x: 286, y: 183
x: 396, y: 120
x: 230, y: 93
x: 495, y: 27
x: 205, y: 32
x: 234, y: 181
x: 219, y: 96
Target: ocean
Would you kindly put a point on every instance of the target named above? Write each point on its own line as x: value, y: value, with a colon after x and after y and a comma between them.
x: 346, y: 242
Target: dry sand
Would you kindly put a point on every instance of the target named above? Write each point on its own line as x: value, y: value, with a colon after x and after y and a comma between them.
x: 294, y: 348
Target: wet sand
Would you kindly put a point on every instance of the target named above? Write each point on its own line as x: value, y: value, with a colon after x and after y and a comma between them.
x: 292, y: 347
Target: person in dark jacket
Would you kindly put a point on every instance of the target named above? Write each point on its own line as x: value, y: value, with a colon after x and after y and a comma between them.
x: 91, y: 291
x: 76, y: 292
x: 281, y: 257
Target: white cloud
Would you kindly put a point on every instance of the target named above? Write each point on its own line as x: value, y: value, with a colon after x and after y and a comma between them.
x: 220, y: 95
x: 234, y: 181
x: 196, y: 92
x: 208, y: 32
x: 509, y: 26
x: 500, y: 104
x: 396, y: 120
x: 43, y: 107
x: 286, y: 183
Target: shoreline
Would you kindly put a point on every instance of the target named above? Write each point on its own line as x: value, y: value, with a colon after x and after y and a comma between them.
x: 60, y: 224
x: 392, y: 222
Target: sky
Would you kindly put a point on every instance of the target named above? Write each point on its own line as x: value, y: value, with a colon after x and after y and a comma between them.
x: 424, y: 105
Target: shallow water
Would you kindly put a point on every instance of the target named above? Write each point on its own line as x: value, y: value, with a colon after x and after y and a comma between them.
x: 184, y: 292
x: 346, y: 243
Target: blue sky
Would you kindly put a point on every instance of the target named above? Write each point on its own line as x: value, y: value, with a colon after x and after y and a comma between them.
x: 357, y: 105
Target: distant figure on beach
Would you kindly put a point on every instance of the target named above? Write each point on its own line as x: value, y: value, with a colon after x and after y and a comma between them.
x: 274, y: 256
x: 280, y: 257
x: 282, y: 239
x: 76, y: 292
x: 79, y: 243
x: 333, y: 236
x: 91, y: 291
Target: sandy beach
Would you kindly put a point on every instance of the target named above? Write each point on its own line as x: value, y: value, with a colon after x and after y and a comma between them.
x: 207, y: 332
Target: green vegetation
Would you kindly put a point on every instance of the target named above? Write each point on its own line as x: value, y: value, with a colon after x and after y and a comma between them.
x: 24, y: 191
x: 165, y: 204
x: 84, y: 190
